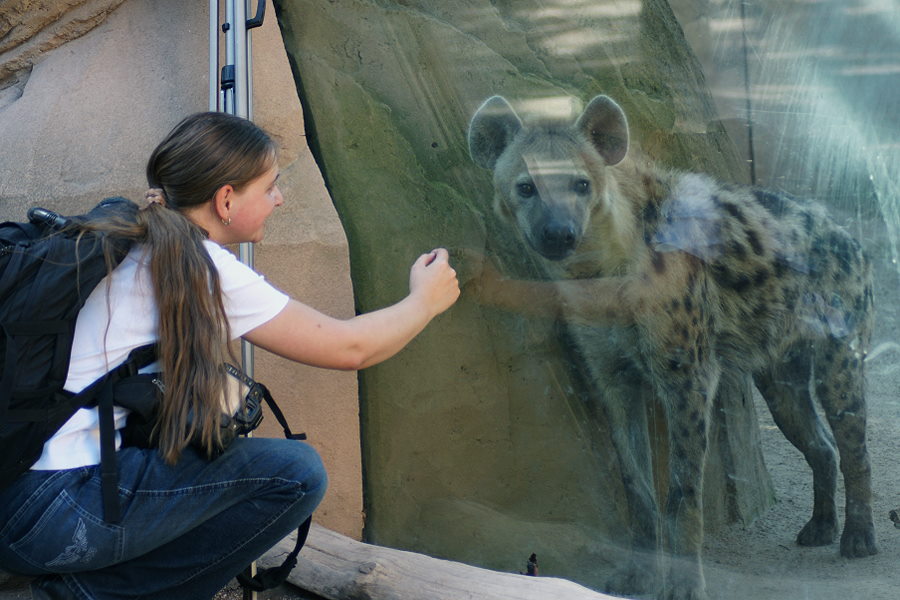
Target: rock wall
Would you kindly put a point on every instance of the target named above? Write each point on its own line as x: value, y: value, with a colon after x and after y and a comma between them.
x: 88, y: 88
x: 476, y: 445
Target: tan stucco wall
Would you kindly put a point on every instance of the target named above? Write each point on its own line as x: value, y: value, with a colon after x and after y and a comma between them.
x: 81, y: 124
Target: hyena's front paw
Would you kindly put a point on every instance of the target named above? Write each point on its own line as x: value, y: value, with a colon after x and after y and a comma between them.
x: 818, y: 532
x: 858, y: 541
x: 685, y: 581
x: 683, y: 589
x: 683, y: 592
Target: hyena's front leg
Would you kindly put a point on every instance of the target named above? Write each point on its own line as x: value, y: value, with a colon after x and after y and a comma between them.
x: 688, y: 395
x: 605, y: 365
x: 624, y: 408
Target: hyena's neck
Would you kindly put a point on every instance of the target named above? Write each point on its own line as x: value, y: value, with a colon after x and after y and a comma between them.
x: 618, y: 234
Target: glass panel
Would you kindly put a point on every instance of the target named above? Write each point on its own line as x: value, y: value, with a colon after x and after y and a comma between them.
x: 600, y: 396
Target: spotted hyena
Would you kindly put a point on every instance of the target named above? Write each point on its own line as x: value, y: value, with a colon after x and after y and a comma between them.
x: 690, y: 280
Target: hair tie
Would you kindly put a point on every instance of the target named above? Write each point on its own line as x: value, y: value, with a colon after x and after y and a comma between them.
x: 154, y: 196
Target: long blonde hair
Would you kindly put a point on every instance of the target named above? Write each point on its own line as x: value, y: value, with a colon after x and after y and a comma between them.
x: 200, y: 155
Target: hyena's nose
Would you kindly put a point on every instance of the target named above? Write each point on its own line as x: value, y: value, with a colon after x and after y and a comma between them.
x: 558, y: 240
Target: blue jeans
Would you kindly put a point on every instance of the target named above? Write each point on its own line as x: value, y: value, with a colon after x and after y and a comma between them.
x: 186, y: 530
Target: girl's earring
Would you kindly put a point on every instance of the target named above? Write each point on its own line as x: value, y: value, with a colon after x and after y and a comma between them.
x: 226, y: 222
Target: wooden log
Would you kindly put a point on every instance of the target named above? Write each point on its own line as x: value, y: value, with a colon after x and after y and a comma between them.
x: 337, y: 567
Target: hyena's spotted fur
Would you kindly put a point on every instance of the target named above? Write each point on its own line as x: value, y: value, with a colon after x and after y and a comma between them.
x: 689, y: 279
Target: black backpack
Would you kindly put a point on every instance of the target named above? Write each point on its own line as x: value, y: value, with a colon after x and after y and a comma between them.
x: 47, y: 273
x: 45, y: 278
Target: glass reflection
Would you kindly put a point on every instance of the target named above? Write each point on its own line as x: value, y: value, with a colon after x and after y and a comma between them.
x: 495, y: 438
x: 699, y: 277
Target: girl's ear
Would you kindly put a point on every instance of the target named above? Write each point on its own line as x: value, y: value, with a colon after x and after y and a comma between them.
x: 222, y: 201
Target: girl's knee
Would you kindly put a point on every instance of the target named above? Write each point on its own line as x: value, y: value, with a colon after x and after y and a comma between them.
x: 308, y: 466
x: 305, y: 467
x: 285, y: 459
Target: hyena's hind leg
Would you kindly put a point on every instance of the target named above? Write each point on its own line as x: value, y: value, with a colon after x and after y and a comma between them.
x: 840, y: 386
x: 785, y: 388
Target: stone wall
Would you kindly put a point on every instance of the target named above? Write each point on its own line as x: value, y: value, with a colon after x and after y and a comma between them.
x: 88, y: 88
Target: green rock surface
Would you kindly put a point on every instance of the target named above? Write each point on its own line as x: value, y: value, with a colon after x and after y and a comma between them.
x: 476, y: 444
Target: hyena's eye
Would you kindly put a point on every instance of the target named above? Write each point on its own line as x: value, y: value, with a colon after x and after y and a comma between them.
x: 582, y: 187
x: 525, y: 190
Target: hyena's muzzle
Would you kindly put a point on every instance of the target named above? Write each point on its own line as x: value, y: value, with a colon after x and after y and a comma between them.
x: 554, y: 220
x: 558, y: 238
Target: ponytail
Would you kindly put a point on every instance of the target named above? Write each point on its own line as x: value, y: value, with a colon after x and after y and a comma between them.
x: 193, y: 331
x: 200, y: 155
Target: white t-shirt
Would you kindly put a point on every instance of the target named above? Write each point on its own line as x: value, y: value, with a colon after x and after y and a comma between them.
x: 120, y: 315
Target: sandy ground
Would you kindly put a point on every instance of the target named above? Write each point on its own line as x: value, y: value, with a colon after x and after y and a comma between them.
x: 761, y: 561
x: 285, y: 592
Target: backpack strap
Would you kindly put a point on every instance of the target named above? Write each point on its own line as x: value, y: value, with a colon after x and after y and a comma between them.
x: 266, y: 579
x: 101, y: 393
x: 109, y: 472
x: 279, y: 416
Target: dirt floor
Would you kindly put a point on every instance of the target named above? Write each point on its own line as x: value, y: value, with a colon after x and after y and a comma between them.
x: 761, y: 561
x: 233, y: 591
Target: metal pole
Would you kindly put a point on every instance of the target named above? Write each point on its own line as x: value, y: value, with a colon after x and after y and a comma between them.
x: 241, y: 76
x: 213, y: 55
x: 242, y: 109
x: 248, y: 44
x: 246, y: 250
x: 235, y: 86
x: 748, y: 102
x: 231, y: 92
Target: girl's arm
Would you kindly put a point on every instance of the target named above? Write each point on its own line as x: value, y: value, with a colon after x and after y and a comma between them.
x: 305, y: 335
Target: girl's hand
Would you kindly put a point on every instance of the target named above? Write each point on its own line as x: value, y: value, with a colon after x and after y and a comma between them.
x: 433, y: 281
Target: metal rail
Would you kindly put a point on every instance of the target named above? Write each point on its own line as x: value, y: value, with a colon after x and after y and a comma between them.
x: 231, y: 91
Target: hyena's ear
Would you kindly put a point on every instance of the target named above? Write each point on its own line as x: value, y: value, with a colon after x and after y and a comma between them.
x: 493, y: 127
x: 604, y: 123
